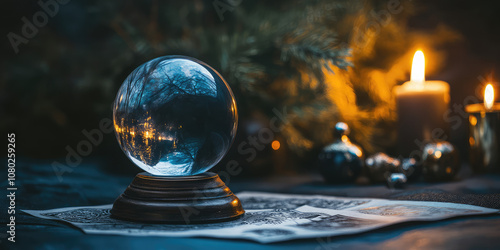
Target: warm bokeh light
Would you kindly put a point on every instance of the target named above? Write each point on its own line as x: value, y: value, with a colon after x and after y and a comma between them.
x: 418, y: 68
x: 276, y: 145
x: 345, y: 138
x: 472, y: 142
x: 438, y: 154
x: 430, y: 151
x: 489, y: 96
x: 358, y: 152
x: 472, y: 120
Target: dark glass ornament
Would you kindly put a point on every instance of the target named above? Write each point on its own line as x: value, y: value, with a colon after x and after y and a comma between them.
x: 411, y: 168
x: 440, y: 161
x: 396, y: 181
x: 380, y: 166
x: 341, y: 161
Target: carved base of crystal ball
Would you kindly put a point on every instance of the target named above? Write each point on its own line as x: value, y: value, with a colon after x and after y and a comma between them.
x: 200, y: 198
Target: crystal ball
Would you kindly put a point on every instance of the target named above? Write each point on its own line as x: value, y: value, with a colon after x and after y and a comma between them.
x: 175, y: 116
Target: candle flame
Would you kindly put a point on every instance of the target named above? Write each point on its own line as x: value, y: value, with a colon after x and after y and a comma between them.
x: 489, y: 96
x: 418, y: 68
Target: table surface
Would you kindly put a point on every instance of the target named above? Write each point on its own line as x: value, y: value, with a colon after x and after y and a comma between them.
x: 39, y: 188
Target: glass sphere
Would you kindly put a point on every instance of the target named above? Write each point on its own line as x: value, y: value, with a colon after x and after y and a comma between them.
x: 175, y: 116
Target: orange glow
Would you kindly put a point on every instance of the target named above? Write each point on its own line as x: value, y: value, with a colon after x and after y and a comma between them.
x: 358, y: 152
x: 117, y: 128
x: 472, y: 120
x: 438, y: 154
x: 166, y: 138
x: 489, y: 96
x: 276, y: 145
x: 345, y: 138
x: 418, y: 68
x: 472, y: 141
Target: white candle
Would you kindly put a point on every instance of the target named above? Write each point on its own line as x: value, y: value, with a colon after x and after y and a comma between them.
x: 421, y: 106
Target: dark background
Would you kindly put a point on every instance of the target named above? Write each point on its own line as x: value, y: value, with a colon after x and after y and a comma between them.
x: 66, y: 77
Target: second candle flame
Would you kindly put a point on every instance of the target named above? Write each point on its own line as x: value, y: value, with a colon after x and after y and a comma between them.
x: 489, y: 96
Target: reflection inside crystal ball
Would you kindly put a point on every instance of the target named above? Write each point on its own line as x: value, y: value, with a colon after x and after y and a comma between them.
x: 175, y: 116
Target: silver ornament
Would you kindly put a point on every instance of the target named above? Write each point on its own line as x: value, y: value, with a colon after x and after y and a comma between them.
x: 379, y: 166
x: 440, y: 161
x: 411, y: 168
x: 396, y: 181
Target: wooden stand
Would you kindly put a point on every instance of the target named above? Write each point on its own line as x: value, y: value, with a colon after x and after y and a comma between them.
x: 201, y: 198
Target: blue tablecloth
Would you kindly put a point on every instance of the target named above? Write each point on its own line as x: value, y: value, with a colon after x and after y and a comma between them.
x: 88, y: 184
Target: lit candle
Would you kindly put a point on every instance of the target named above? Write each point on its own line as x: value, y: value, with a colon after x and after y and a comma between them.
x: 484, y: 133
x: 421, y: 106
x: 489, y: 97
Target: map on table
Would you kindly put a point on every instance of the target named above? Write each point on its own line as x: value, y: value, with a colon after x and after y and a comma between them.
x: 274, y: 217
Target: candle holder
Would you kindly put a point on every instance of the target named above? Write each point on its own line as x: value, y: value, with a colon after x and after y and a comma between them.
x: 484, y: 137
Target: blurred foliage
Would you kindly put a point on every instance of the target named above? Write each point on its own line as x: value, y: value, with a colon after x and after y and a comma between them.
x: 320, y: 59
